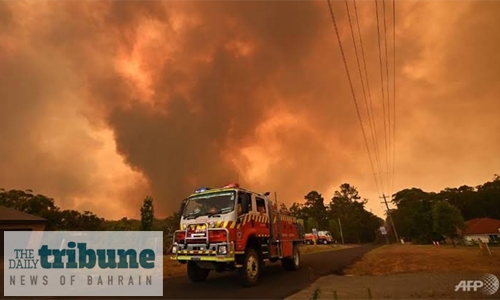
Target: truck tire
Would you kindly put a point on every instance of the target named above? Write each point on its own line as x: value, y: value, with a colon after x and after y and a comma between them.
x: 325, y: 242
x: 292, y: 263
x: 249, y: 274
x: 195, y: 273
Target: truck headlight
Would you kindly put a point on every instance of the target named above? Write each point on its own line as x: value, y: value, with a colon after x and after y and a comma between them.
x: 222, y: 250
x: 174, y: 249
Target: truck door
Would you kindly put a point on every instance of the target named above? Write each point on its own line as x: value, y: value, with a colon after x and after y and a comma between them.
x: 262, y: 216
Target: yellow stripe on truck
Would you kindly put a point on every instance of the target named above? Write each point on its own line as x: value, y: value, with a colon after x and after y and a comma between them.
x: 203, y: 258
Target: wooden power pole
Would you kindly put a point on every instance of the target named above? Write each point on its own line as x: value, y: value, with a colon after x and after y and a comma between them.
x: 390, y: 218
x: 341, y: 234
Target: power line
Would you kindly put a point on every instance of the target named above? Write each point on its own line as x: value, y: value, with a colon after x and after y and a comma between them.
x: 362, y: 82
x: 388, y: 95
x: 350, y: 84
x: 382, y: 89
x: 372, y: 119
x: 394, y: 92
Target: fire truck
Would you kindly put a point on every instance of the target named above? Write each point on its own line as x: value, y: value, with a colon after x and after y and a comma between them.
x: 235, y: 229
x: 321, y: 237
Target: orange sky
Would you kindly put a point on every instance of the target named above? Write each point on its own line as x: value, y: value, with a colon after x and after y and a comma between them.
x: 103, y: 103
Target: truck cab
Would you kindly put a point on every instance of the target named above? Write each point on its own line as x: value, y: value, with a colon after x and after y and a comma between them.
x: 325, y: 237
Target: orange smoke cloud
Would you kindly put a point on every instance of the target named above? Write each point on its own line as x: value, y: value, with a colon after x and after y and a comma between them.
x: 106, y: 102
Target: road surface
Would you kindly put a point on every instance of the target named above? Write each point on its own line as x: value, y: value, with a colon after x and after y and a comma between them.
x: 275, y: 282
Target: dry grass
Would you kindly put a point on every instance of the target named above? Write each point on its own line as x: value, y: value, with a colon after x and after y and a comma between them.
x: 307, y: 249
x: 430, y: 259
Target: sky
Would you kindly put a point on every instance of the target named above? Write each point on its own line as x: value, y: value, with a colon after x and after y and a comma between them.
x: 103, y: 103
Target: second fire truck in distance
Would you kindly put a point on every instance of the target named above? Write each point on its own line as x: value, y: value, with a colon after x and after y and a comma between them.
x: 234, y: 229
x: 320, y: 237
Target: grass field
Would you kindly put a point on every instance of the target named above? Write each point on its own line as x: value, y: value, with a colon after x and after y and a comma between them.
x: 172, y: 268
x: 395, y: 259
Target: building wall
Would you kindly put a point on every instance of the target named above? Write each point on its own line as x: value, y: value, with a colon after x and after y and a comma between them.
x: 15, y: 227
x: 32, y: 226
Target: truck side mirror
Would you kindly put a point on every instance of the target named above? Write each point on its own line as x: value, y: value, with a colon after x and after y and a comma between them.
x: 183, y: 205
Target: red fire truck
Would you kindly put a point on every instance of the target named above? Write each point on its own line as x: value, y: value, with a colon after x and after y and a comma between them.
x: 321, y: 237
x: 234, y: 229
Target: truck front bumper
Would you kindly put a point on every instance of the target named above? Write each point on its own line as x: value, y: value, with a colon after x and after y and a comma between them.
x: 224, y: 252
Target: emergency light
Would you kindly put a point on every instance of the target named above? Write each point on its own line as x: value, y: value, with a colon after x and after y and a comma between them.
x: 232, y: 185
x: 200, y: 190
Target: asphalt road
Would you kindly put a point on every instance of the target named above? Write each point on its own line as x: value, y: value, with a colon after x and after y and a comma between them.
x: 275, y: 282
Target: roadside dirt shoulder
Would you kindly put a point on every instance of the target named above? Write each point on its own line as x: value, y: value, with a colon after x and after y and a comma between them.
x: 399, y: 286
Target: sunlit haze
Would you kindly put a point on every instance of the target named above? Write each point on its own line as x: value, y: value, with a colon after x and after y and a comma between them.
x: 104, y: 103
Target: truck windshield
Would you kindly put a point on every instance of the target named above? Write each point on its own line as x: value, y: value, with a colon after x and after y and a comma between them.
x: 209, y: 204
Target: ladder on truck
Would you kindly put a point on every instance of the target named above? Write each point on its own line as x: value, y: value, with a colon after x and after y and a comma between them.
x: 275, y: 232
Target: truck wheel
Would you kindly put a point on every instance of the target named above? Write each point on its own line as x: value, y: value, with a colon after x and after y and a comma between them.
x: 195, y: 273
x: 325, y: 242
x: 249, y: 273
x: 292, y: 263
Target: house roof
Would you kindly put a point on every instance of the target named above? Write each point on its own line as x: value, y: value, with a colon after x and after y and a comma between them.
x: 12, y: 215
x: 482, y: 226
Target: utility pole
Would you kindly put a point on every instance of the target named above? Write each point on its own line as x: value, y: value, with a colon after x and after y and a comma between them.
x: 341, y: 234
x: 276, y: 199
x: 390, y: 218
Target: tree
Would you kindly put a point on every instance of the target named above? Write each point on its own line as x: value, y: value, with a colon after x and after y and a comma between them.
x: 414, y: 214
x: 147, y: 214
x: 447, y: 220
x: 333, y: 227
x: 27, y: 202
x: 43, y: 206
x: 358, y: 225
x: 348, y: 193
x: 123, y: 224
x: 297, y: 210
x: 310, y: 224
x: 74, y: 220
x: 314, y: 207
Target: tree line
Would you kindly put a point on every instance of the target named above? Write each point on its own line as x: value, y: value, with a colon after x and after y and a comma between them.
x: 423, y: 217
x: 72, y: 220
x: 419, y: 216
x: 358, y: 225
x: 344, y: 216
